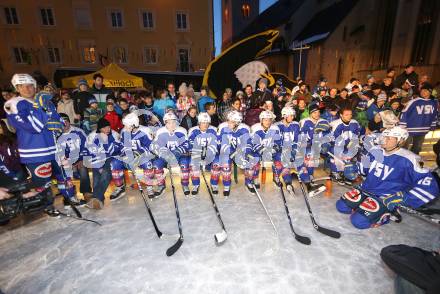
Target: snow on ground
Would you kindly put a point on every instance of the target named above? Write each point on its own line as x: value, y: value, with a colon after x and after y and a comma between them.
x: 50, y: 255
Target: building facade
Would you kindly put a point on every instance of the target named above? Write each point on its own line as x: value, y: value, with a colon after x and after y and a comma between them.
x: 340, y: 39
x: 152, y: 36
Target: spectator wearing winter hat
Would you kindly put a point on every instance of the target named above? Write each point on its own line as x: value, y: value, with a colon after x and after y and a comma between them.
x: 377, y: 106
x: 204, y: 98
x: 243, y: 105
x: 370, y: 80
x: 91, y: 116
x: 66, y: 105
x: 161, y: 105
x: 81, y: 99
x: 113, y: 118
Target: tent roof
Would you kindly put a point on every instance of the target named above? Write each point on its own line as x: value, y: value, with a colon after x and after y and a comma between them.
x: 114, y: 77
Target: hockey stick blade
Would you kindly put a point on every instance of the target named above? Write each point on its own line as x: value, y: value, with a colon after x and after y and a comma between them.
x: 328, y: 232
x: 220, y: 238
x: 302, y: 239
x: 175, y: 247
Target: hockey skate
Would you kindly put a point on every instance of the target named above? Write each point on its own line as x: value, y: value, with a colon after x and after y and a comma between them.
x: 117, y: 193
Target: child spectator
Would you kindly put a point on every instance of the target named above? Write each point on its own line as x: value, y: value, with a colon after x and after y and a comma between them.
x: 190, y: 119
x: 113, y: 118
x: 91, y: 116
x: 66, y: 105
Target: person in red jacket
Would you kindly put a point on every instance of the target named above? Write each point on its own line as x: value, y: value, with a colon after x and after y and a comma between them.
x: 113, y: 118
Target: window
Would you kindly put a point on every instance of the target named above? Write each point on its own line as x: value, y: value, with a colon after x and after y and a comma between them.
x: 425, y: 30
x: 150, y: 55
x: 47, y: 17
x: 390, y: 9
x: 20, y: 55
x: 11, y: 15
x: 116, y: 19
x: 246, y: 10
x: 183, y: 59
x: 82, y: 18
x: 89, y: 54
x: 54, y: 55
x: 120, y: 54
x: 182, y: 21
x: 147, y: 20
x: 226, y: 13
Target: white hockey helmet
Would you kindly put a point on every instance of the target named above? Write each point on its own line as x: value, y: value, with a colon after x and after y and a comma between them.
x: 400, y: 133
x: 169, y: 116
x: 235, y: 116
x: 131, y: 120
x: 204, y: 117
x: 286, y: 111
x: 267, y: 114
x: 23, y: 79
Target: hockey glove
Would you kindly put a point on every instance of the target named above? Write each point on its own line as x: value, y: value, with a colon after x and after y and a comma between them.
x: 393, y: 201
x: 43, y: 100
x: 55, y: 126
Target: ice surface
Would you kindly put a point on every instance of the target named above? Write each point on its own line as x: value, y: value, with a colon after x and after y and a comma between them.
x: 50, y: 255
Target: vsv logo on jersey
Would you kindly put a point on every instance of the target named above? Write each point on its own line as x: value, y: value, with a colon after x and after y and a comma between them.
x: 381, y: 170
x: 203, y: 141
x: 425, y: 109
x: 289, y: 137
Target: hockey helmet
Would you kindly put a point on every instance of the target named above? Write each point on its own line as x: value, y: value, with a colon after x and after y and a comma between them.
x: 286, y: 111
x: 203, y: 117
x: 235, y: 116
x: 400, y: 133
x: 267, y: 114
x: 169, y: 116
x: 22, y: 79
x: 131, y: 120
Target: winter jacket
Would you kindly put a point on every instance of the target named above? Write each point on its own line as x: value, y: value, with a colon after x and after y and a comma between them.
x: 91, y: 117
x: 100, y: 95
x: 67, y: 107
x: 115, y: 121
x: 188, y: 122
x: 160, y: 105
x: 81, y: 102
x: 202, y: 101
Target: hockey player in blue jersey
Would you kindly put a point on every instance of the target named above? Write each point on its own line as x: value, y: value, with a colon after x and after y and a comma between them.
x: 171, y: 145
x: 419, y: 117
x: 136, y: 141
x: 393, y: 177
x: 202, y: 141
x: 266, y: 145
x: 312, y: 130
x: 73, y: 144
x: 283, y: 161
x: 37, y: 123
x: 345, y: 132
x: 233, y: 139
x: 102, y: 145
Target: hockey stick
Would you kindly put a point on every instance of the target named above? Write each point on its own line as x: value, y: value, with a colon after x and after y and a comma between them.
x: 221, y: 237
x: 409, y: 210
x: 302, y: 239
x: 325, y: 231
x: 150, y: 213
x: 176, y: 246
x: 235, y: 172
x: 263, y: 175
x: 264, y: 207
x: 56, y: 212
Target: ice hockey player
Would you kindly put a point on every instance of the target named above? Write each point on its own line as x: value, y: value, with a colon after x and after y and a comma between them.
x: 171, y: 145
x: 202, y: 141
x: 102, y: 144
x: 345, y: 132
x: 312, y: 130
x: 289, y: 131
x: 393, y: 177
x: 36, y: 122
x: 233, y: 137
x: 72, y: 143
x: 136, y: 141
x: 265, y: 143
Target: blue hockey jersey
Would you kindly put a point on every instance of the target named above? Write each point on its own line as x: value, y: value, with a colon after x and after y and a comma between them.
x: 387, y: 174
x: 73, y: 144
x: 176, y: 142
x: 35, y: 140
x: 346, y: 137
x: 138, y: 141
x: 231, y: 141
x: 265, y: 142
x: 419, y: 116
x: 102, y: 148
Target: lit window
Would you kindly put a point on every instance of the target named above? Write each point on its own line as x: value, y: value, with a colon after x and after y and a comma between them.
x: 246, y: 10
x: 47, y: 17
x: 11, y: 15
x: 54, y: 55
x: 89, y: 54
x: 150, y: 55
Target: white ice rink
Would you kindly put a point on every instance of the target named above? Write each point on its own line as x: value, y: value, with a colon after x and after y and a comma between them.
x: 50, y: 255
